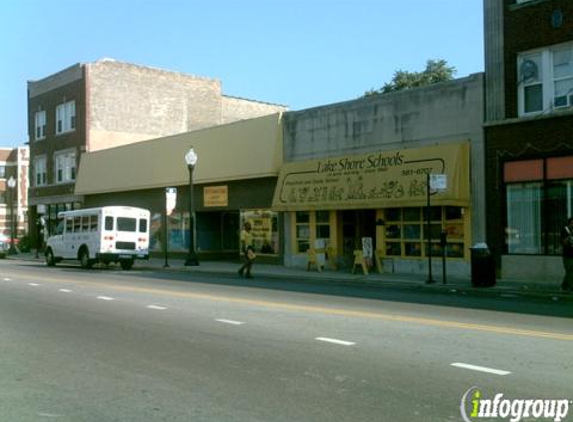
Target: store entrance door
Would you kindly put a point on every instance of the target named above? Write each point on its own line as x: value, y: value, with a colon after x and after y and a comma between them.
x: 357, y: 224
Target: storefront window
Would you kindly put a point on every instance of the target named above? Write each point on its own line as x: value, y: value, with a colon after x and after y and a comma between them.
x: 539, y: 197
x: 264, y: 224
x: 524, y: 218
x: 322, y: 224
x: 407, y: 231
x: 302, y: 220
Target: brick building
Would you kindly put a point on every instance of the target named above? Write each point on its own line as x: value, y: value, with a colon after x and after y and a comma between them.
x: 528, y: 133
x: 94, y: 106
x: 13, y: 201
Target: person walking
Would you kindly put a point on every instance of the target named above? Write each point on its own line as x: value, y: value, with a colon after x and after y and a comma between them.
x: 567, y: 244
x: 248, y: 251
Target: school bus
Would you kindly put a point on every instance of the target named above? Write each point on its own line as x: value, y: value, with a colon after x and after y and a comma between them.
x: 105, y: 234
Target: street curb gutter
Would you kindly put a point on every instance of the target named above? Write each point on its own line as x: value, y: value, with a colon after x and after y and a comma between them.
x: 459, y: 287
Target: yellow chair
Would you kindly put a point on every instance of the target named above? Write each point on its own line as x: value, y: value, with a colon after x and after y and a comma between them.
x: 359, y: 260
x: 312, y: 262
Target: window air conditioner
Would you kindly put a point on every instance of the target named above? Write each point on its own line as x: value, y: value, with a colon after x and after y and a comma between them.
x: 563, y: 101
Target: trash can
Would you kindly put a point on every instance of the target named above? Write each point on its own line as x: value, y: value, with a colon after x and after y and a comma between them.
x: 483, y: 266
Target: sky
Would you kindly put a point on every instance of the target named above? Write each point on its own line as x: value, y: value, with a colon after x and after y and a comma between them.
x: 298, y: 53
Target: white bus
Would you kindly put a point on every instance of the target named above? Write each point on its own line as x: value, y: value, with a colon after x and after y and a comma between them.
x: 105, y: 234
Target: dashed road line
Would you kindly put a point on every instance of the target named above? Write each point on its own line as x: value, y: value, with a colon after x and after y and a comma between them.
x: 105, y: 298
x: 425, y: 321
x: 6, y: 279
x: 336, y: 341
x: 65, y: 290
x: 33, y: 284
x: 480, y: 368
x: 159, y: 308
x: 229, y: 321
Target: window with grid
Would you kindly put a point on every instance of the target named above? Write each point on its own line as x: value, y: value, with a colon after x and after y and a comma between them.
x: 40, y: 171
x: 65, y: 166
x: 40, y: 125
x: 545, y: 79
x: 302, y: 231
x: 407, y: 231
x: 322, y: 224
x: 66, y: 117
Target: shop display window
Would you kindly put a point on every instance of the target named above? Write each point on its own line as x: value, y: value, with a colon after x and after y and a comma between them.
x: 537, y: 204
x: 406, y: 231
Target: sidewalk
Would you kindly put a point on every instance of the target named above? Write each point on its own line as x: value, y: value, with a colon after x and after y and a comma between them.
x: 504, y: 287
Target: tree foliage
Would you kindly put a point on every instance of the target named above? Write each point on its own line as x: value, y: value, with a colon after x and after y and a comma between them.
x: 436, y: 71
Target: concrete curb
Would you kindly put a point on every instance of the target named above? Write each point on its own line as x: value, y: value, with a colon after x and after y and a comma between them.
x: 515, y: 289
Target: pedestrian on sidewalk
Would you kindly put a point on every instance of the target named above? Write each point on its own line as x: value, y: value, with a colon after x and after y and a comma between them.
x: 567, y: 244
x: 248, y: 251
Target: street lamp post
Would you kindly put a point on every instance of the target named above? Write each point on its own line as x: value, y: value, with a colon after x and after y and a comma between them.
x: 12, y: 187
x: 191, y: 160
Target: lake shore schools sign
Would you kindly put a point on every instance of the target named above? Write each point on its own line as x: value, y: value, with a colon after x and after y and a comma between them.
x: 375, y: 180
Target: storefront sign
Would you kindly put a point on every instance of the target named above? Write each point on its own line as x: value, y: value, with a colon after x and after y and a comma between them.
x: 216, y: 196
x: 375, y: 180
x: 438, y: 182
x: 170, y: 200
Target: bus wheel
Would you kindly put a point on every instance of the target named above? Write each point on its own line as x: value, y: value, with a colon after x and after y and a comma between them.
x: 50, y: 260
x: 126, y: 264
x: 85, y: 261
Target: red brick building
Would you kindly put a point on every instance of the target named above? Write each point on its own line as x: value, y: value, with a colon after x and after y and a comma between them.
x: 528, y: 133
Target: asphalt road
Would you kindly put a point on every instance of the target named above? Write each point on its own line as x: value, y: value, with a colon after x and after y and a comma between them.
x: 107, y: 345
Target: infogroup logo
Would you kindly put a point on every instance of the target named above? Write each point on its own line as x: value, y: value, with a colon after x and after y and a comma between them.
x: 474, y: 407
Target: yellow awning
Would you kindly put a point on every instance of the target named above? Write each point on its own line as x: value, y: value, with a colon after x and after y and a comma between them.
x: 242, y: 150
x: 375, y: 180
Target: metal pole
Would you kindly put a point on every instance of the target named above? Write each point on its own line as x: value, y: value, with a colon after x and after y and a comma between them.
x: 444, y: 243
x: 192, y: 256
x: 165, y: 242
x: 12, y: 249
x: 429, y: 218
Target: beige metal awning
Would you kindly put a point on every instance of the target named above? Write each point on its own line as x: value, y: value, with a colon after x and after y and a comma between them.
x: 242, y: 150
x: 375, y: 180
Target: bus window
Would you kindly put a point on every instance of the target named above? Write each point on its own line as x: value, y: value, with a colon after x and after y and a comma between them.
x: 109, y: 223
x: 93, y: 223
x: 85, y: 223
x: 69, y: 224
x: 60, y: 228
x: 125, y: 224
x: 142, y: 225
x: 77, y: 224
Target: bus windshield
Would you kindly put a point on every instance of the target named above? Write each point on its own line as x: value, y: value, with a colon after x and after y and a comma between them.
x: 125, y: 224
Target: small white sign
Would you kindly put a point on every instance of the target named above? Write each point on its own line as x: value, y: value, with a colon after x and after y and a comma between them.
x: 438, y: 181
x: 170, y: 199
x: 367, y: 247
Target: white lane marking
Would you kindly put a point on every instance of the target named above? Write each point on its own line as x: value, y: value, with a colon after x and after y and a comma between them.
x: 229, y: 321
x: 336, y: 341
x: 105, y: 298
x: 65, y: 291
x: 159, y: 308
x: 33, y: 284
x: 6, y: 279
x: 480, y: 368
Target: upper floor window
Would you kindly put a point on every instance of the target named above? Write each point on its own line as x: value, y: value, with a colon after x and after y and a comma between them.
x: 40, y: 125
x: 2, y: 171
x: 65, y: 166
x: 545, y: 79
x: 66, y: 117
x: 40, y: 171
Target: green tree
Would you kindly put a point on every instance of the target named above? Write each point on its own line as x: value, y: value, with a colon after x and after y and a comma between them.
x: 436, y: 71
